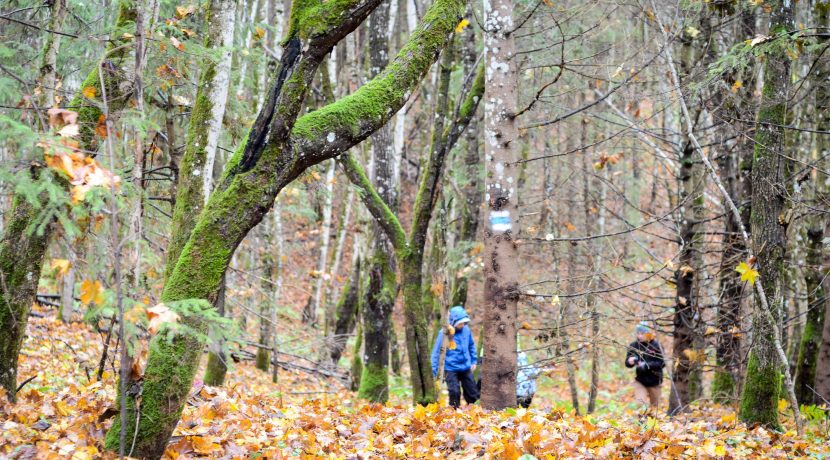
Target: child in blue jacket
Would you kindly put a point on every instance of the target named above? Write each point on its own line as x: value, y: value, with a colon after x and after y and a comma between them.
x: 460, y: 360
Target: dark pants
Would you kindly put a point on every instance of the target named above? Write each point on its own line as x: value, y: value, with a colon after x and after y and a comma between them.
x: 456, y: 380
x: 524, y: 401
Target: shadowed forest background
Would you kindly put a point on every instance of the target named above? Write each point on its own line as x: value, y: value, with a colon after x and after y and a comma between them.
x: 235, y: 228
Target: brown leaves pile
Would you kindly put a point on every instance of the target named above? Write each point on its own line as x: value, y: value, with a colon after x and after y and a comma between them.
x: 57, y: 417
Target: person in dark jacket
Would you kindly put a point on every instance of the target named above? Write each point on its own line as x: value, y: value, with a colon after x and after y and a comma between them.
x: 460, y: 360
x: 646, y: 355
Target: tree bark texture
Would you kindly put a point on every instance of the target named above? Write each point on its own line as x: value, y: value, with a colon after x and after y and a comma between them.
x: 347, y: 307
x: 382, y: 288
x: 687, y: 351
x: 736, y: 168
x: 759, y: 401
x: 822, y: 109
x: 501, y: 255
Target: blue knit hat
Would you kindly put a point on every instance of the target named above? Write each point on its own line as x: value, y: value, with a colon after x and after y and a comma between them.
x: 641, y: 328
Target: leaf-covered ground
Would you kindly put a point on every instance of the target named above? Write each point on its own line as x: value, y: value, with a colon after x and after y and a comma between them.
x: 59, y: 416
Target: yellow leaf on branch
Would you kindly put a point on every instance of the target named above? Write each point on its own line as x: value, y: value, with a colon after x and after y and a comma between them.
x: 461, y: 26
x: 747, y: 273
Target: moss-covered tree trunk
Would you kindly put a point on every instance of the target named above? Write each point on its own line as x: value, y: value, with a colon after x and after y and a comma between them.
x: 822, y: 110
x: 501, y: 255
x: 217, y: 365
x: 22, y: 250
x: 805, y: 364
x: 278, y: 149
x: 759, y: 401
x: 196, y: 167
x: 382, y: 288
x: 21, y: 258
x: 377, y: 308
x: 347, y: 307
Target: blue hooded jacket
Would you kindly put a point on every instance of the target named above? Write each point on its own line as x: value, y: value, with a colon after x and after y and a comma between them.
x: 463, y: 356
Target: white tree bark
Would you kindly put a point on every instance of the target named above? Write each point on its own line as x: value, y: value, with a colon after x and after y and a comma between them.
x: 224, y: 17
x: 325, y: 241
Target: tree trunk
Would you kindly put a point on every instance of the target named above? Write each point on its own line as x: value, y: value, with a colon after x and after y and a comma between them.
x: 21, y: 258
x: 501, y: 255
x: 196, y: 169
x: 217, y: 365
x: 736, y: 168
x: 67, y: 301
x: 595, y: 280
x: 347, y: 308
x: 565, y: 317
x: 822, y: 109
x: 382, y: 288
x: 473, y: 172
x: 22, y: 249
x: 805, y: 364
x: 48, y: 72
x: 759, y: 401
x: 325, y: 242
x: 687, y: 350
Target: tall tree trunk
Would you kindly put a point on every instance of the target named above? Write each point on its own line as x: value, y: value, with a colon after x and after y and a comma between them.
x: 347, y: 307
x: 565, y: 316
x: 277, y: 290
x: 591, y: 252
x: 687, y: 350
x: 822, y: 108
x: 23, y: 248
x: 382, y: 288
x: 48, y: 64
x: 736, y: 168
x: 759, y: 401
x: 196, y: 177
x: 501, y: 254
x: 325, y: 242
x: 805, y: 364
x: 473, y: 172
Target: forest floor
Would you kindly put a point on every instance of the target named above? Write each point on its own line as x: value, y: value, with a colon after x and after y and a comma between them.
x: 58, y: 415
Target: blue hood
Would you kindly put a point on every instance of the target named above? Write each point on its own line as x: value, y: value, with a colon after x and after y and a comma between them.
x: 457, y: 313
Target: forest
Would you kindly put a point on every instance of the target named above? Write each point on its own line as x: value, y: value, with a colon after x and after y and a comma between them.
x: 509, y: 229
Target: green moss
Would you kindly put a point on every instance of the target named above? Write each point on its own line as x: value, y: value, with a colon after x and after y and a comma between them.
x: 190, y: 187
x: 263, y: 359
x: 216, y: 369
x: 759, y: 401
x: 171, y: 365
x: 470, y: 103
x: 380, y: 98
x: 315, y: 17
x: 374, y: 384
x: 723, y: 387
